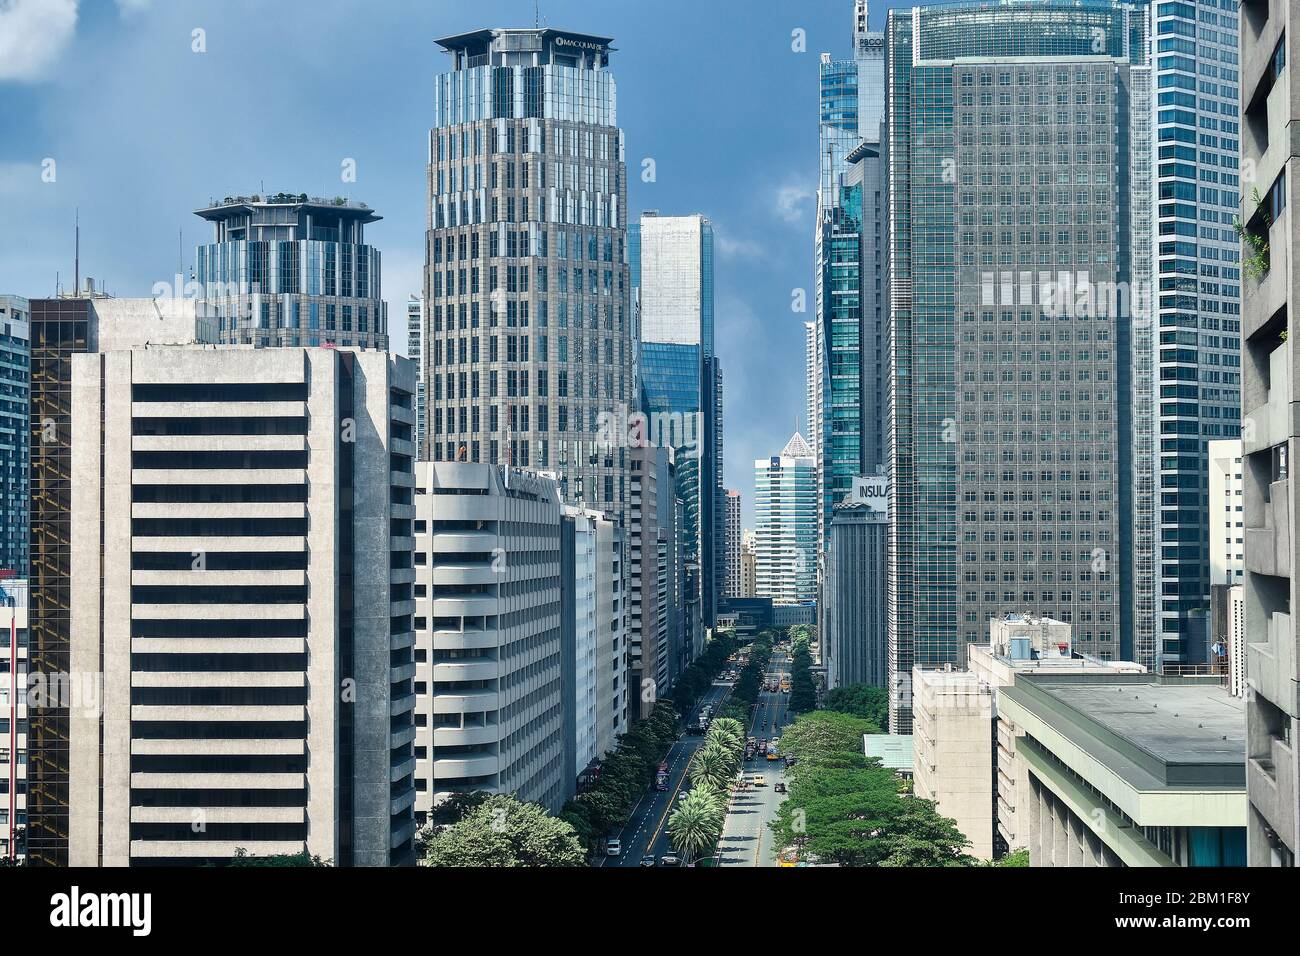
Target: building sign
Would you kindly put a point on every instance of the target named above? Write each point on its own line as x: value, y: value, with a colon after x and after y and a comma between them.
x: 581, y: 44
x: 871, y: 490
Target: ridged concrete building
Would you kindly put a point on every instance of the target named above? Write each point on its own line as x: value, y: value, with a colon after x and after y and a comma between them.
x: 580, y: 637
x: 489, y: 664
x: 529, y: 335
x: 1270, y: 114
x: 732, y: 538
x: 290, y: 270
x: 241, y: 576
x: 61, y: 328
x: 415, y: 352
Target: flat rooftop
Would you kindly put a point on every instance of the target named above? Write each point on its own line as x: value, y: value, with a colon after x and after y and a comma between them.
x: 1155, y: 732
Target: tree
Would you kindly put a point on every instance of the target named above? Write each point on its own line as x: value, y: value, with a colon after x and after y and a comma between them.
x: 302, y: 860
x: 455, y: 807
x: 504, y: 832
x: 860, y: 700
x: 713, y: 768
x: 696, y: 824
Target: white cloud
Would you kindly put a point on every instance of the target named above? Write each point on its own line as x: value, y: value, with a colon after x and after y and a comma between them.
x: 33, y: 33
x: 791, y: 198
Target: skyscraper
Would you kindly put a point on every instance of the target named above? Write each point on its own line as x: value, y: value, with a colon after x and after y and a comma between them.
x: 680, y: 377
x: 810, y: 382
x: 1270, y: 111
x: 62, y: 328
x: 529, y: 337
x: 228, y: 508
x: 1015, y: 235
x: 1199, y: 300
x: 846, y: 365
x: 15, y: 383
x: 290, y: 270
x: 733, y: 543
x: 785, y: 532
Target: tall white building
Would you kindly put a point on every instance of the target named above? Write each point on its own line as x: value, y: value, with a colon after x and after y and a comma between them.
x: 415, y: 352
x: 488, y: 658
x: 581, y: 638
x: 732, y: 538
x: 230, y: 507
x: 785, y: 536
x: 810, y: 382
x: 13, y: 717
x: 1226, y: 516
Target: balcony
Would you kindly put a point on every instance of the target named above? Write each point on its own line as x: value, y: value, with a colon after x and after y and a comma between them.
x: 1269, y: 424
x: 1270, y: 785
x: 1272, y: 664
x: 1268, y: 549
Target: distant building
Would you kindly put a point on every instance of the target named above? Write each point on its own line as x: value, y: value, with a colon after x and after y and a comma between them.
x: 286, y: 269
x: 732, y: 549
x: 580, y: 636
x: 415, y: 352
x: 1129, y: 770
x: 1227, y: 531
x: 655, y: 617
x: 489, y: 662
x: 785, y: 508
x: 230, y: 507
x: 15, y: 458
x: 1228, y: 635
x: 854, y: 596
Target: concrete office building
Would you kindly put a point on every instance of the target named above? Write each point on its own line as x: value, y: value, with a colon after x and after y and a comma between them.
x: 229, y: 506
x: 1197, y: 301
x: 580, y: 637
x: 854, y: 636
x: 785, y: 510
x: 1270, y: 111
x: 291, y: 270
x: 80, y: 322
x: 614, y: 697
x: 952, y: 713
x: 1228, y: 635
x: 415, y: 352
x: 1129, y: 770
x: 653, y: 569
x: 488, y: 635
x: 1024, y: 644
x: 530, y: 335
x: 732, y: 537
x: 13, y: 718
x: 1011, y: 373
x: 15, y: 382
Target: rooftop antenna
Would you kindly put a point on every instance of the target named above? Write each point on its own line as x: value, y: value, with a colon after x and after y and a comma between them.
x: 537, y: 14
x: 76, y: 275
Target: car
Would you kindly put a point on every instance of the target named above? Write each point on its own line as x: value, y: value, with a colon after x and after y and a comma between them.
x: 757, y: 780
x: 647, y: 860
x: 778, y: 787
x: 613, y: 847
x: 670, y: 859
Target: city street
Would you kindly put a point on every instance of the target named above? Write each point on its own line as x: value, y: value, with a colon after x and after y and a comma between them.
x: 746, y: 838
x: 647, y: 830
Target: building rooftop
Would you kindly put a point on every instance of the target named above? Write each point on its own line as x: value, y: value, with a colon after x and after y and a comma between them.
x: 475, y: 40
x: 1154, y: 732
x: 338, y: 205
x: 894, y: 750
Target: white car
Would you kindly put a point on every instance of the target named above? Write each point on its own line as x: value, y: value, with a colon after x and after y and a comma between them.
x: 613, y: 848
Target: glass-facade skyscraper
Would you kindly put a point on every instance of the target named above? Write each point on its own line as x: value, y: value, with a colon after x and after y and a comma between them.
x: 1017, y: 227
x: 785, y: 524
x: 528, y: 333
x: 1198, y: 300
x: 15, y: 385
x: 671, y: 262
x: 289, y: 270
x: 846, y: 424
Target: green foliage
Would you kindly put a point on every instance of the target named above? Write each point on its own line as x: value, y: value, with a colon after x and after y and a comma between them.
x: 244, y: 858
x: 503, y: 832
x: 1015, y: 858
x: 456, y: 807
x: 696, y: 824
x: 1256, y: 263
x: 803, y: 693
x: 843, y: 807
x: 860, y: 700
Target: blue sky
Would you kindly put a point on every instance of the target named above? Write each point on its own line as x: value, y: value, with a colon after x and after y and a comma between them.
x: 142, y: 131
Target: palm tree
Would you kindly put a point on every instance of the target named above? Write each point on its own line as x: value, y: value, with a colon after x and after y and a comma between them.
x: 712, y: 768
x: 695, y: 825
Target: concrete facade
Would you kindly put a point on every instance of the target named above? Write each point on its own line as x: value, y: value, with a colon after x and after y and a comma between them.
x: 952, y: 730
x: 488, y: 641
x: 1270, y: 103
x: 226, y: 506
